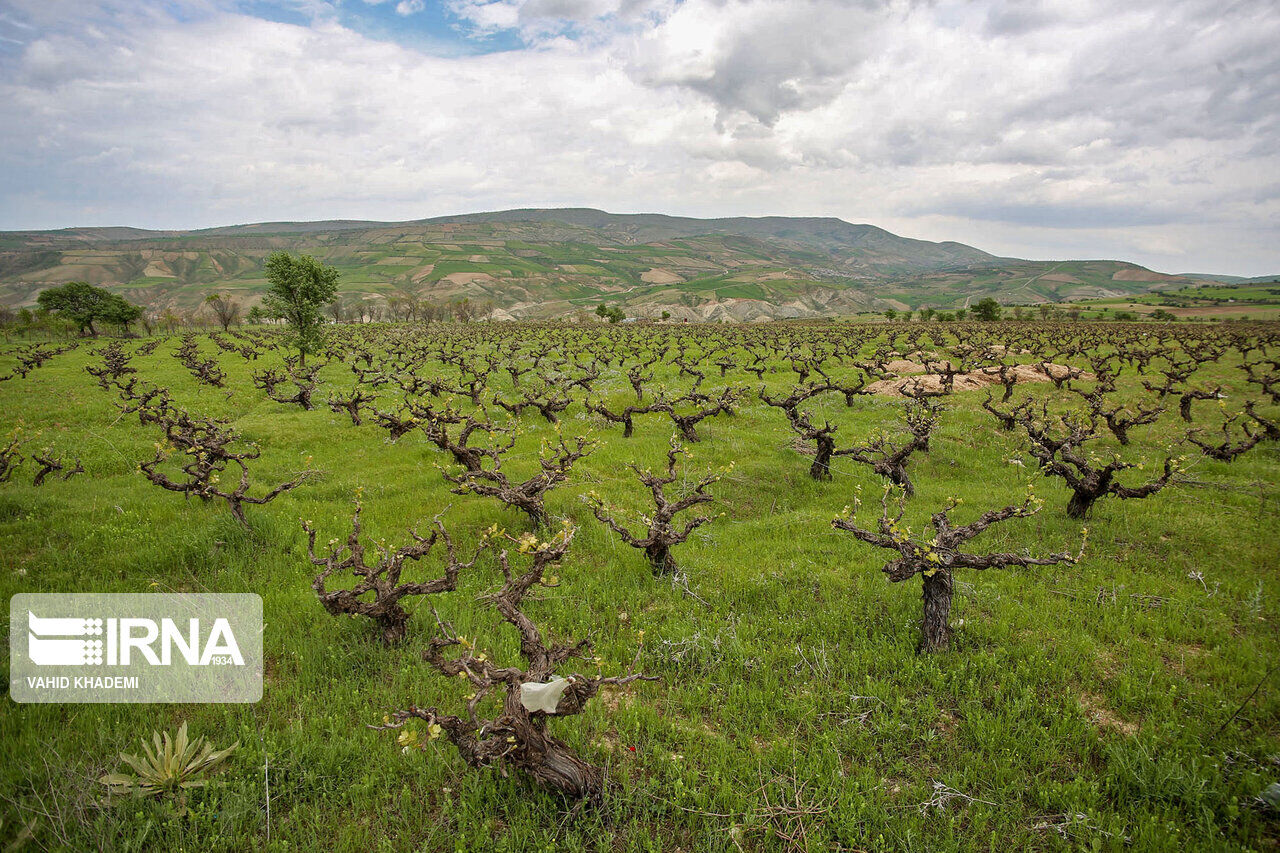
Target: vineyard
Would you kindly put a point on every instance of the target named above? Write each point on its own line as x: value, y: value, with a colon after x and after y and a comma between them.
x: 812, y: 586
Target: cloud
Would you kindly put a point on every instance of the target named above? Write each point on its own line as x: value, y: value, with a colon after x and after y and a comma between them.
x: 1024, y: 128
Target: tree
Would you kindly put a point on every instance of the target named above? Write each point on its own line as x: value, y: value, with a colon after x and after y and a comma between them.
x: 226, y: 309
x: 121, y: 313
x: 611, y: 313
x: 464, y: 310
x: 82, y: 303
x: 987, y: 309
x: 890, y: 314
x: 926, y: 314
x: 300, y: 287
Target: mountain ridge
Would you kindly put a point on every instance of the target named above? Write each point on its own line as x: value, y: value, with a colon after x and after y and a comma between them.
x: 546, y: 262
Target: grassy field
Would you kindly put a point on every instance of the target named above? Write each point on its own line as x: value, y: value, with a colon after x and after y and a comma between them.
x: 1253, y: 301
x: 1084, y: 706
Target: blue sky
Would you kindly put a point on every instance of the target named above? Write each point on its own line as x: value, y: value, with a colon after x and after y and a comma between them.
x: 416, y: 24
x: 1147, y: 130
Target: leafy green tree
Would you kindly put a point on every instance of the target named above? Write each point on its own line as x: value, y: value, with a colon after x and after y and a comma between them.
x: 612, y: 314
x: 300, y: 287
x: 82, y: 303
x: 926, y: 314
x: 987, y: 309
x: 890, y: 314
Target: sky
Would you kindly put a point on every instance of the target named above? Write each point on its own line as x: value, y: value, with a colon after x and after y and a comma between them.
x: 1142, y: 130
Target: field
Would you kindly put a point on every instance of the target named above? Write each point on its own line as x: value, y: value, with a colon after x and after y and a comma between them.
x: 1249, y: 301
x: 1124, y: 701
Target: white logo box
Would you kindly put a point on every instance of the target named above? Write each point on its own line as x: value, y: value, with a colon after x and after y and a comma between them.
x: 135, y: 647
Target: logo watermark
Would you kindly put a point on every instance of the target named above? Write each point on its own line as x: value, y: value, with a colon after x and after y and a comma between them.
x: 110, y: 647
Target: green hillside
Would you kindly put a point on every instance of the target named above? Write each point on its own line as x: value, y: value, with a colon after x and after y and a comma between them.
x: 546, y: 263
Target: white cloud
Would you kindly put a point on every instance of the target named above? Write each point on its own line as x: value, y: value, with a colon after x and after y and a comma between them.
x: 1145, y: 131
x: 409, y: 7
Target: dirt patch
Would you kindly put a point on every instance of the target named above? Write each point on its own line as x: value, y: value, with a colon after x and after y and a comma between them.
x: 467, y: 277
x: 1103, y: 717
x: 660, y: 276
x: 971, y: 381
x: 902, y: 367
x: 158, y: 269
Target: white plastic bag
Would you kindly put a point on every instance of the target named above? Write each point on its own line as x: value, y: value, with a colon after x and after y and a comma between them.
x: 543, y: 697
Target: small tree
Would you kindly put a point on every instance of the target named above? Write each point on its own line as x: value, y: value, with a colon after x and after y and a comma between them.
x: 300, y: 287
x: 226, y: 309
x: 81, y: 303
x: 935, y: 559
x: 611, y: 313
x: 987, y: 309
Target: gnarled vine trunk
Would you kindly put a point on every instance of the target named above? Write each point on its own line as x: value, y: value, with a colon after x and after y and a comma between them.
x: 659, y: 556
x: 935, y: 625
x: 821, y: 467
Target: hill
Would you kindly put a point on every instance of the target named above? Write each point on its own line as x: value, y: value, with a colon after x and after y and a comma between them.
x: 554, y: 262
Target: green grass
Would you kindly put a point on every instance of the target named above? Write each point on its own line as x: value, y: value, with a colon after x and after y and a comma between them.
x: 1090, y: 690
